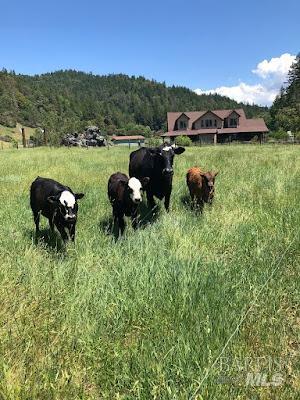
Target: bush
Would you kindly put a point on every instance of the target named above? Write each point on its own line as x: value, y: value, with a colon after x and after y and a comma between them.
x: 153, y: 141
x: 278, y: 135
x: 14, y: 143
x: 183, y: 141
x: 297, y: 135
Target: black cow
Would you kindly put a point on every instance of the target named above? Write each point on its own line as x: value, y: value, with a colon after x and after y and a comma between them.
x: 125, y: 194
x: 157, y: 164
x: 56, y: 202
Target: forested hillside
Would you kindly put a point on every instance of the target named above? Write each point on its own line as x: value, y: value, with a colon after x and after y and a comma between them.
x: 65, y: 101
x: 285, y: 112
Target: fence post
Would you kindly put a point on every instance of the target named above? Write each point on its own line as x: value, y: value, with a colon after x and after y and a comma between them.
x: 215, y: 139
x: 23, y: 137
x: 45, y: 137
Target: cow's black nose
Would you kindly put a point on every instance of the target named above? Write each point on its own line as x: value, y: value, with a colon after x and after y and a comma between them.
x: 168, y: 171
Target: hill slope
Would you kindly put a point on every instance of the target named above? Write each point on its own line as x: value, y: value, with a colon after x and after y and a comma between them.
x: 67, y: 100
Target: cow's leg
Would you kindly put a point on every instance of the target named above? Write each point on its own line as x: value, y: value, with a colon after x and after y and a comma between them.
x: 121, y: 223
x: 51, y: 224
x: 36, y: 217
x: 134, y: 218
x: 72, y: 232
x: 61, y: 230
x: 150, y: 200
x: 167, y: 201
x: 192, y: 194
x: 200, y: 204
x: 194, y: 200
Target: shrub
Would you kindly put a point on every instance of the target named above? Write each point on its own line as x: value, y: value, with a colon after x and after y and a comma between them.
x: 14, y: 143
x: 278, y: 135
x: 297, y: 135
x: 153, y: 141
x: 183, y: 141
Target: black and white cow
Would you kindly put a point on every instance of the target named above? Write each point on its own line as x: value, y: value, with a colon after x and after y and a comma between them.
x: 157, y: 164
x: 56, y: 202
x: 125, y: 195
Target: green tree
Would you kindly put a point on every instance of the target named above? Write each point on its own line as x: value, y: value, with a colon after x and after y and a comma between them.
x: 285, y: 111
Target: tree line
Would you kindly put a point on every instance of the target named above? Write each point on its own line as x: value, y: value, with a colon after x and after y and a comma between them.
x: 285, y: 111
x: 67, y: 101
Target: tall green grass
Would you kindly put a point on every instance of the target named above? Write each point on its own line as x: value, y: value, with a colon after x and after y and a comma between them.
x: 146, y: 316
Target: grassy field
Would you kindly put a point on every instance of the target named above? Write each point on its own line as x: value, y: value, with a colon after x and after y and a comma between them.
x: 186, y: 307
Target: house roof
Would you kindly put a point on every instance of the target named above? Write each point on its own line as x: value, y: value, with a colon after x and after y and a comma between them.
x: 194, y: 115
x: 247, y: 126
x: 136, y: 137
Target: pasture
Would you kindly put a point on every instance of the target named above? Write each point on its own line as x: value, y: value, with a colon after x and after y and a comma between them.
x: 185, y: 307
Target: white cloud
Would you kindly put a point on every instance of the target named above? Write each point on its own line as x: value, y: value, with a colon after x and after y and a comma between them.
x: 272, y: 73
x: 277, y: 67
x: 257, y: 94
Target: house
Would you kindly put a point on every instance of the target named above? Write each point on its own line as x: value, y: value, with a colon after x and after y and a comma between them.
x: 137, y: 140
x: 215, y: 126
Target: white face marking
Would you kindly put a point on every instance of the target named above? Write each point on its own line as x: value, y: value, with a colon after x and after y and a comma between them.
x: 136, y: 187
x: 67, y: 199
x: 167, y: 148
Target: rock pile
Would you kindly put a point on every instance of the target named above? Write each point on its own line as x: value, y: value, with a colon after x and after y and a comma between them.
x: 90, y: 137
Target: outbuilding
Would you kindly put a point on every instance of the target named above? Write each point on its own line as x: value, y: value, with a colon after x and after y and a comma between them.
x: 136, y: 140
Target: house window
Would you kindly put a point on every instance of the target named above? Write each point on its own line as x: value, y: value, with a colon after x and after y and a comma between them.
x: 233, y: 122
x: 208, y: 123
x: 182, y: 125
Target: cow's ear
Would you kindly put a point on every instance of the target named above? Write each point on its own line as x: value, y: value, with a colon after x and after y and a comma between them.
x: 52, y: 199
x: 215, y: 173
x: 145, y: 181
x: 78, y: 196
x: 179, y: 150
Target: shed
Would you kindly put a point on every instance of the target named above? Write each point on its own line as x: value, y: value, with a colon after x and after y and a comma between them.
x: 136, y: 140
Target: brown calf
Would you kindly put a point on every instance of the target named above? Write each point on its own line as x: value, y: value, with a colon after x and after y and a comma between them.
x: 201, y: 185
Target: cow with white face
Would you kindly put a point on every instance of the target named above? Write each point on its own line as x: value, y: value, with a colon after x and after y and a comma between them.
x: 125, y: 195
x: 157, y: 164
x: 56, y: 202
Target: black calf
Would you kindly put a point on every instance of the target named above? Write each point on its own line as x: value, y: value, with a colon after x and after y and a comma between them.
x: 56, y: 202
x: 125, y: 195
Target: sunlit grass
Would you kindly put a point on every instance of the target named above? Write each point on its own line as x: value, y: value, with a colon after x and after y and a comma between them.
x: 144, y: 317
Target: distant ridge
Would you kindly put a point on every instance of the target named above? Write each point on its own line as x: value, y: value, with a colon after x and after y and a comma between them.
x: 72, y: 99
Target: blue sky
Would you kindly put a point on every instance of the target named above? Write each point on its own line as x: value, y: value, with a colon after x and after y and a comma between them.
x: 199, y: 44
